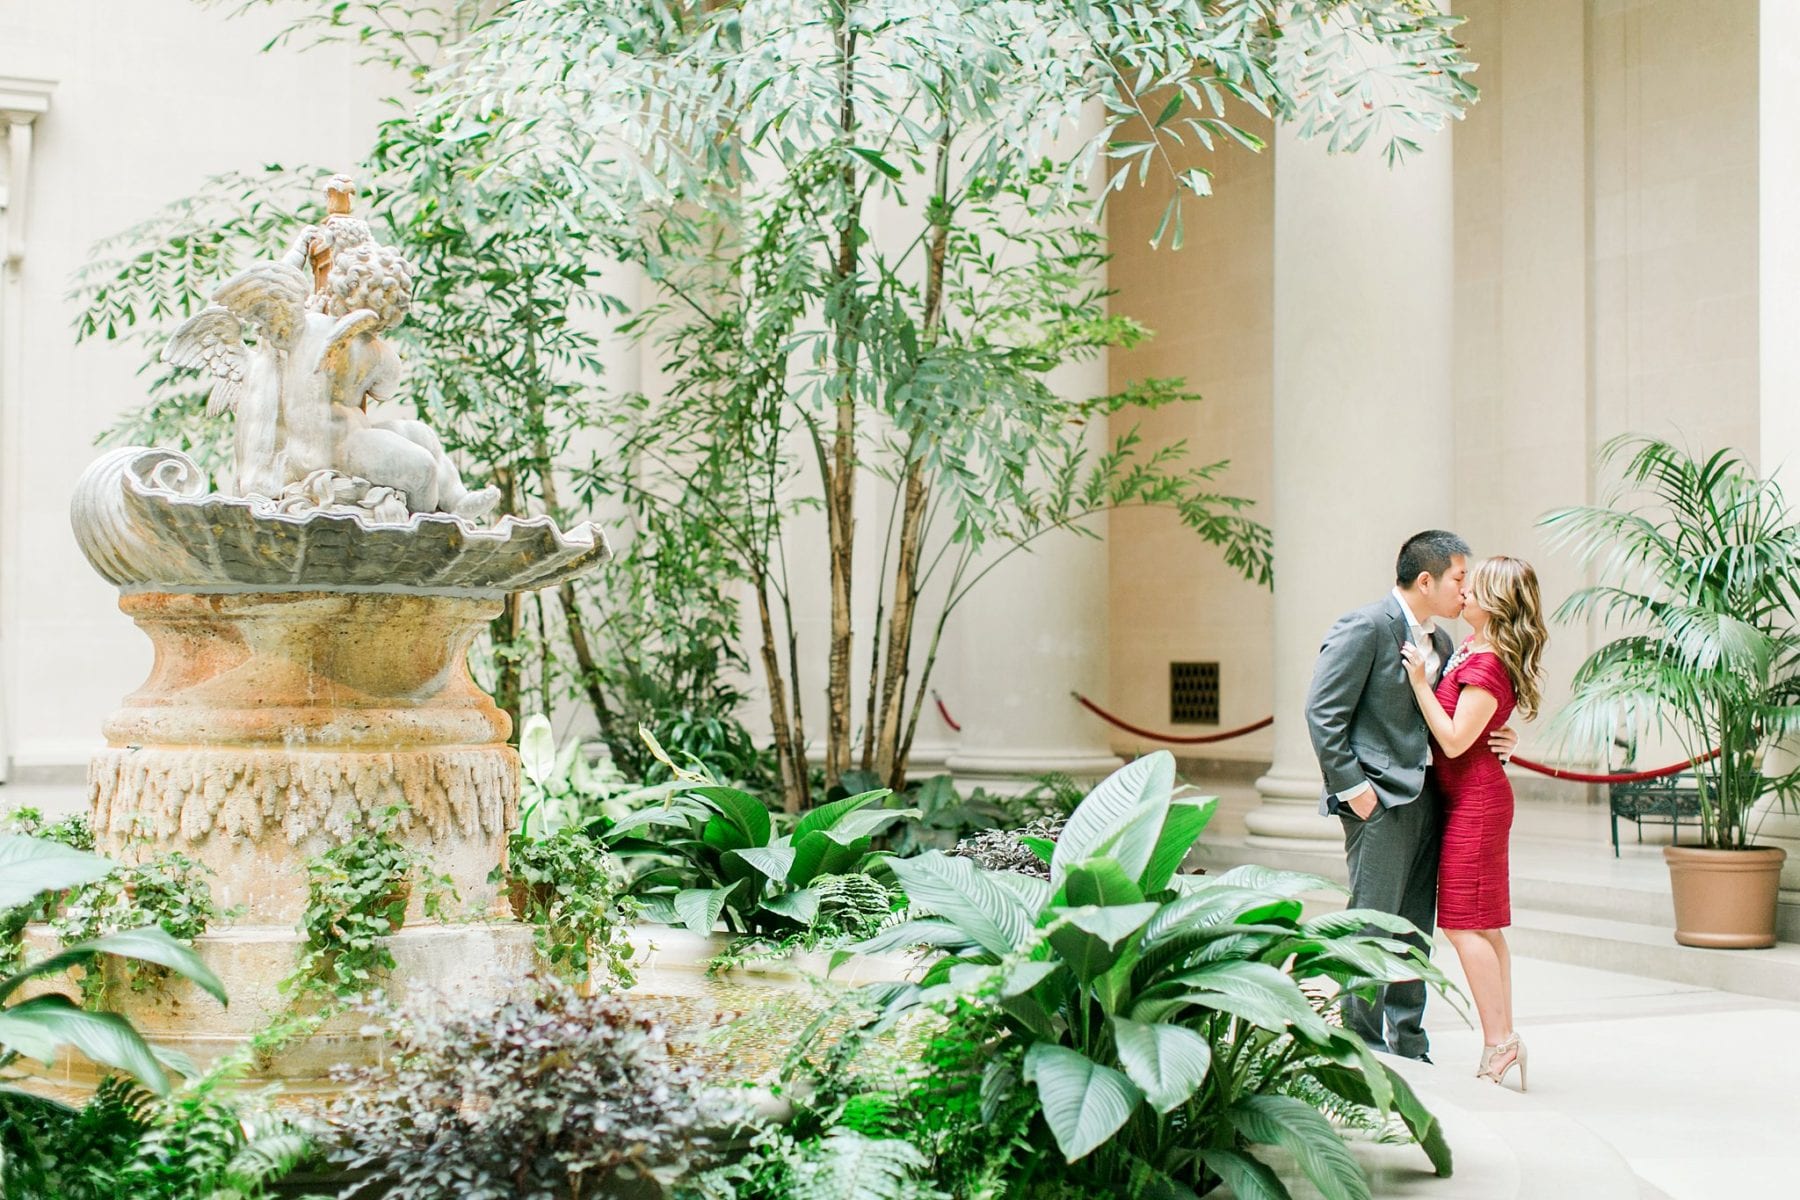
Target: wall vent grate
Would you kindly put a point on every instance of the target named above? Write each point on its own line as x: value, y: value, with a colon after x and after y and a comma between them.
x: 1194, y: 693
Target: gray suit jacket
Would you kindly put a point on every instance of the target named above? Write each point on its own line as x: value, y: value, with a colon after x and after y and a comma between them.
x: 1365, y: 724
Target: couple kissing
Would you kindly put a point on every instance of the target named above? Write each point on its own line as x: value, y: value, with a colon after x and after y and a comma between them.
x: 1411, y: 735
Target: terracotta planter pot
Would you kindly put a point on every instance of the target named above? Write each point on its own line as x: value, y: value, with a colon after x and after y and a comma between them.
x: 401, y: 896
x: 528, y: 897
x: 1725, y: 899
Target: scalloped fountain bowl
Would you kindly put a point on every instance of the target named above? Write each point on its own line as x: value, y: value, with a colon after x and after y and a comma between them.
x: 146, y: 523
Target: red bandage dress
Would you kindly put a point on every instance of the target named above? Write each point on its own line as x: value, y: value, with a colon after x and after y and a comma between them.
x: 1474, y: 890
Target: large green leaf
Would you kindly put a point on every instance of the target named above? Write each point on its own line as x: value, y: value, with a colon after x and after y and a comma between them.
x: 106, y: 1038
x: 1256, y: 992
x: 826, y: 816
x: 675, y: 814
x: 1084, y: 1103
x: 774, y: 862
x: 1217, y: 905
x: 1122, y: 816
x: 1303, y: 1131
x: 148, y: 944
x: 1354, y: 1085
x: 537, y: 749
x: 1355, y: 920
x: 800, y: 905
x: 1186, y: 820
x: 1248, y: 1178
x: 870, y: 821
x: 825, y: 852
x: 31, y: 866
x: 1033, y: 893
x: 1100, y: 881
x: 699, y: 908
x: 1285, y: 884
x: 1169, y: 1062
x: 1088, y: 938
x: 743, y: 810
x: 922, y: 931
x: 959, y: 891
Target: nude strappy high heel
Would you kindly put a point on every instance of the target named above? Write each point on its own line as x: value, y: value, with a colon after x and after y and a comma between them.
x: 1487, y: 1069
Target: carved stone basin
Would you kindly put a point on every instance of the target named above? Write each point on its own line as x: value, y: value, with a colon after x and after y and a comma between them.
x: 145, y: 521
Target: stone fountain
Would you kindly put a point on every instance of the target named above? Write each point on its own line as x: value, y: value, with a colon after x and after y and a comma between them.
x: 311, y: 624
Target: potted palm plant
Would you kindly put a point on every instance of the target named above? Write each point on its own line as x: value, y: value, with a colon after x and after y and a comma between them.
x: 1699, y: 570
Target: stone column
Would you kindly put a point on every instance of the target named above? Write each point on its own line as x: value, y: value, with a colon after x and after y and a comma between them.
x: 1362, y: 391
x: 1778, y: 315
x: 22, y: 102
x: 1035, y: 631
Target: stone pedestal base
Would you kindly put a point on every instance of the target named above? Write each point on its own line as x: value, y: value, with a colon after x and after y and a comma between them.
x: 252, y: 959
x: 276, y: 725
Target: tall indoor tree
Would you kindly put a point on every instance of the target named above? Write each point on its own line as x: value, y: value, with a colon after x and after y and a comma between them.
x: 873, y: 225
x: 870, y: 233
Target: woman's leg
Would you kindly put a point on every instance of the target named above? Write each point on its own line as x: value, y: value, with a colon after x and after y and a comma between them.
x: 1481, y: 965
x: 1502, y: 952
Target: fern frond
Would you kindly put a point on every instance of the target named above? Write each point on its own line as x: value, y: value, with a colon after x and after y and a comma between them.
x: 845, y: 1165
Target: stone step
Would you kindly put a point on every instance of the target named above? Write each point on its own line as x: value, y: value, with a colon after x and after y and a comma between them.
x: 1619, y: 924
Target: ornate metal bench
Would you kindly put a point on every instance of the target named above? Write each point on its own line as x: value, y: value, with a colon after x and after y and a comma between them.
x: 1663, y: 801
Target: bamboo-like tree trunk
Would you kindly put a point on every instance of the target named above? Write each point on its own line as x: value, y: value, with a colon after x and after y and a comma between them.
x: 892, y: 747
x: 840, y: 476
x: 791, y: 757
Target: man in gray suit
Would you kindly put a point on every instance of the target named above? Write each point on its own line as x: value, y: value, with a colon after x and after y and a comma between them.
x: 1374, y: 752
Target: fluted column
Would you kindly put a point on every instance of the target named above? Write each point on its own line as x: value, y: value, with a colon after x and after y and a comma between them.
x: 1362, y: 387
x: 1035, y: 631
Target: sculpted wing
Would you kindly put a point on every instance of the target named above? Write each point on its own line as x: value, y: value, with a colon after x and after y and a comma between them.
x: 212, y: 340
x: 270, y: 296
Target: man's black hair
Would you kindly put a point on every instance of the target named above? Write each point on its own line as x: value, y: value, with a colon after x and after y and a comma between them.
x: 1427, y: 553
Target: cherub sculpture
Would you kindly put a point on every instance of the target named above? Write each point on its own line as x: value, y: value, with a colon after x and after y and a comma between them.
x: 304, y: 438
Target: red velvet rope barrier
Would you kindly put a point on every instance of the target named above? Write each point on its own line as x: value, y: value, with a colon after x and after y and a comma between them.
x: 1202, y: 740
x: 1528, y: 764
x: 1629, y: 777
x: 944, y: 712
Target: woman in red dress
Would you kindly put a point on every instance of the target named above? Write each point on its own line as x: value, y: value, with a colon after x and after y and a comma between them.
x: 1495, y: 671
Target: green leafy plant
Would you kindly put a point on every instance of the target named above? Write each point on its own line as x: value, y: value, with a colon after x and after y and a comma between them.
x: 203, y: 1142
x: 880, y: 1115
x: 27, y: 821
x: 74, y: 831
x: 1701, y: 566
x: 356, y: 898
x: 1159, y: 1020
x: 37, y: 1025
x: 547, y: 1096
x: 169, y: 891
x: 717, y: 856
x: 575, y: 894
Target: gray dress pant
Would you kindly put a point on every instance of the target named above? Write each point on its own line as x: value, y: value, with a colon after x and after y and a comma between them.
x: 1393, y: 868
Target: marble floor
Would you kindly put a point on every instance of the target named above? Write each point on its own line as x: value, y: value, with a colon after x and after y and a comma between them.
x: 1697, y: 1090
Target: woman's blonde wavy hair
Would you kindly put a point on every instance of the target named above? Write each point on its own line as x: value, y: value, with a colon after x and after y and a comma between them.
x: 1507, y: 588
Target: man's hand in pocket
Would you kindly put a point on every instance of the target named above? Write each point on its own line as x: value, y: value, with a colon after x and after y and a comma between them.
x: 1364, y: 804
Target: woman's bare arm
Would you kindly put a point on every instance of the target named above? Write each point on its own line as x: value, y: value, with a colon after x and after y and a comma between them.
x: 1454, y: 735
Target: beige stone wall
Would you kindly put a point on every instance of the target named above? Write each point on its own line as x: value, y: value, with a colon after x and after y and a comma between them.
x: 1606, y: 281
x: 150, y: 98
x: 1210, y: 306
x: 1606, y: 205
